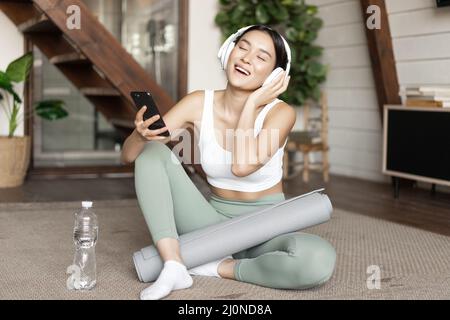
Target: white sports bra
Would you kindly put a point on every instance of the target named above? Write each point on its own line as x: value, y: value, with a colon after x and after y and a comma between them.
x: 216, y: 161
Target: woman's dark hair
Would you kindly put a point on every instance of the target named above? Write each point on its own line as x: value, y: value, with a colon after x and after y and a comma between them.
x: 280, y: 49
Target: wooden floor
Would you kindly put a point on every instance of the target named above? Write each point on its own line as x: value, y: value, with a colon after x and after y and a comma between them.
x: 415, y: 207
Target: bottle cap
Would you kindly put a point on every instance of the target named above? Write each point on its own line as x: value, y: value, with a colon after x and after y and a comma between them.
x: 86, y: 204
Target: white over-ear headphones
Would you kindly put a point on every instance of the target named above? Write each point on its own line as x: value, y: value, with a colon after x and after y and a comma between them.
x: 228, y: 45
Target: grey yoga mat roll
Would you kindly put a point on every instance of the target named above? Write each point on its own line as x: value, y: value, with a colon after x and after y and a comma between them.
x: 239, y: 233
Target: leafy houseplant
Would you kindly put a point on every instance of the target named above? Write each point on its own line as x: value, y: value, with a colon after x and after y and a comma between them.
x: 15, y: 151
x: 298, y: 23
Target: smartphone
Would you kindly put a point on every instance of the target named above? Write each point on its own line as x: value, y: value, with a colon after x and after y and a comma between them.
x: 145, y: 99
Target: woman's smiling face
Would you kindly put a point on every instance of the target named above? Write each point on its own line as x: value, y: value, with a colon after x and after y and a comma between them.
x: 252, y: 60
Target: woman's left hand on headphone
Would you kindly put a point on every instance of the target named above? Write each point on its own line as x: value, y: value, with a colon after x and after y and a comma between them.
x: 270, y: 91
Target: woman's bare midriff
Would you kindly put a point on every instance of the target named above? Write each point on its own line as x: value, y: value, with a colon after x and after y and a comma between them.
x: 246, y: 196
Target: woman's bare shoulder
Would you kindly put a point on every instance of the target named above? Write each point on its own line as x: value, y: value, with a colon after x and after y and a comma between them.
x: 282, y: 112
x: 194, y: 98
x: 191, y: 105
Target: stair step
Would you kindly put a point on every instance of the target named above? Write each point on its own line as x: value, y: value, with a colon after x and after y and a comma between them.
x: 18, y: 12
x: 40, y: 23
x: 69, y: 58
x: 99, y: 91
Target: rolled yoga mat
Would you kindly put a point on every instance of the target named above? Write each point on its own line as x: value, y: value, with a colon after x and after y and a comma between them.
x: 214, y: 242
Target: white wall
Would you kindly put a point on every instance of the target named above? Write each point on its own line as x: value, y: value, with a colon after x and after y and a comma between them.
x: 12, y: 48
x: 355, y: 134
x: 204, y: 71
x: 422, y: 48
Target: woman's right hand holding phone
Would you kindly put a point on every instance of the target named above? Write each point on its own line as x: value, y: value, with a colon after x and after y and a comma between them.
x: 142, y: 129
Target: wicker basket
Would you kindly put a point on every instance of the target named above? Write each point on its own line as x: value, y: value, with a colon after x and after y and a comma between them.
x: 14, y: 160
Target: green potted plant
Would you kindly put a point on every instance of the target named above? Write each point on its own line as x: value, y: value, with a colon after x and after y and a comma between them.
x: 298, y: 23
x: 14, y: 150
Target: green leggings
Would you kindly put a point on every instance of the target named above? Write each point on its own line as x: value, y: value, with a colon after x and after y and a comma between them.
x: 172, y: 205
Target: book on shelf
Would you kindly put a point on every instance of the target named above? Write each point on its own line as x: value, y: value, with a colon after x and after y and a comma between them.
x: 427, y: 90
x: 427, y: 103
x: 429, y: 97
x: 426, y: 96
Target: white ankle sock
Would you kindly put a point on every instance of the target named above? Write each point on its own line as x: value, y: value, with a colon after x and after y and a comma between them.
x: 173, y: 276
x: 209, y: 269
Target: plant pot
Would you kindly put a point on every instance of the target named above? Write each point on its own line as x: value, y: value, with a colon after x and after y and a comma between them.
x: 14, y: 160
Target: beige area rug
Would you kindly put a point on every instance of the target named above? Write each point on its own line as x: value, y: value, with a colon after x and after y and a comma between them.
x: 36, y: 248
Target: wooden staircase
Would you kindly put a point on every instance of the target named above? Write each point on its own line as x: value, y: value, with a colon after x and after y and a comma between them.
x: 90, y: 57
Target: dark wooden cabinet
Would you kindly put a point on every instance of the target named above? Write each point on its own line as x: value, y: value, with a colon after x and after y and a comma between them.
x: 416, y: 144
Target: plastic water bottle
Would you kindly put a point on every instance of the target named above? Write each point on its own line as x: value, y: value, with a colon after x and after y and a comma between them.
x: 85, y: 234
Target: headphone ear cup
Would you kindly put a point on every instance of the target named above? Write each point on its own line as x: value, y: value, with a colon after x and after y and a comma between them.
x: 227, y: 54
x: 273, y: 75
x: 224, y: 48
